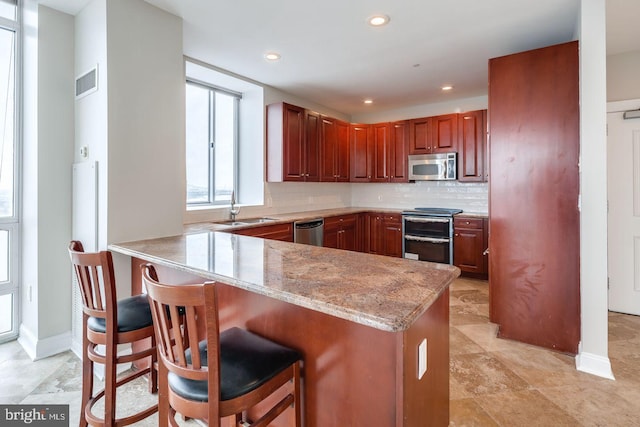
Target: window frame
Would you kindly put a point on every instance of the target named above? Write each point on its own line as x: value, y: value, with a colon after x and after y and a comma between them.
x: 12, y: 224
x: 213, y: 90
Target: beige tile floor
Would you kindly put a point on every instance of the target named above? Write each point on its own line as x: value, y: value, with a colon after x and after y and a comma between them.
x: 494, y: 382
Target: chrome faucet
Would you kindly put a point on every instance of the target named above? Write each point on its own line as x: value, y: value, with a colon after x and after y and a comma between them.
x: 234, y: 211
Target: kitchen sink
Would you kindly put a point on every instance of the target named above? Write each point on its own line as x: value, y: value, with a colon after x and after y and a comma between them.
x: 245, y: 221
x: 257, y: 220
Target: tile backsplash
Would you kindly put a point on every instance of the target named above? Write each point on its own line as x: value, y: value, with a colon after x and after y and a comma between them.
x: 292, y: 197
x: 470, y: 197
x: 289, y: 197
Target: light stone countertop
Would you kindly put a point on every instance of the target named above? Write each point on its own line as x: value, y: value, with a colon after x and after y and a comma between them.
x: 284, y: 218
x: 381, y: 292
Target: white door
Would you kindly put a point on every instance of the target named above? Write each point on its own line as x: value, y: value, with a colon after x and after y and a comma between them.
x: 623, y: 186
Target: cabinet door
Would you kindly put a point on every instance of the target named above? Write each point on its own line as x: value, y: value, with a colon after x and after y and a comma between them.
x: 374, y: 243
x: 444, y: 133
x: 330, y: 234
x: 420, y: 136
x: 328, y: 149
x: 381, y: 144
x: 392, y: 237
x: 312, y: 147
x: 342, y: 232
x: 398, y: 152
x: 342, y: 152
x: 293, y: 143
x: 468, y: 248
x: 360, y: 153
x: 349, y: 236
x: 472, y: 145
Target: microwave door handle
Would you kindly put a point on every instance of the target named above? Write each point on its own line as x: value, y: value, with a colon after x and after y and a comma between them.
x: 425, y: 219
x: 425, y: 239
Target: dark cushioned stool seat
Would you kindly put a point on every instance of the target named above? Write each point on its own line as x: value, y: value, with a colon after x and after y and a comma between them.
x: 133, y: 313
x: 246, y: 362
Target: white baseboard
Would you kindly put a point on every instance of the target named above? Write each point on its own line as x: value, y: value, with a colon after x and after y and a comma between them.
x: 594, y: 364
x: 38, y: 349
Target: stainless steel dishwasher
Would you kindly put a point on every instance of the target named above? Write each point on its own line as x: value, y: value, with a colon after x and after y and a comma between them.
x: 309, y: 232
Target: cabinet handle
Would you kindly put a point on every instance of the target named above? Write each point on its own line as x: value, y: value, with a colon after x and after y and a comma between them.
x: 456, y: 235
x: 467, y: 222
x: 369, y: 177
x: 486, y: 252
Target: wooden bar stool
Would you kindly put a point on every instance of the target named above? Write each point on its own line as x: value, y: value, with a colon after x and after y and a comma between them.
x: 208, y: 375
x: 108, y: 322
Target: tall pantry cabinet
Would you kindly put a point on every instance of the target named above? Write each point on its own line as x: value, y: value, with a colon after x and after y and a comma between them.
x: 533, y: 197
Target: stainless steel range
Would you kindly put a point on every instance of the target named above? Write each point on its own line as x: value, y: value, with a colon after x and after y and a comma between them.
x: 428, y: 234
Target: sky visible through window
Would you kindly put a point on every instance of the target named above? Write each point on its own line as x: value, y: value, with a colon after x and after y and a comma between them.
x: 210, y: 145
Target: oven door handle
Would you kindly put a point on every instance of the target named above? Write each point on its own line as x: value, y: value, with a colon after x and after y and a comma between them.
x: 424, y: 219
x: 425, y: 239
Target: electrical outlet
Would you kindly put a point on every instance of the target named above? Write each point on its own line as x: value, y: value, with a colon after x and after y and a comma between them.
x: 422, y: 358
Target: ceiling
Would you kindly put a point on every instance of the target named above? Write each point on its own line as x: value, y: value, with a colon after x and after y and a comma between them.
x: 331, y: 56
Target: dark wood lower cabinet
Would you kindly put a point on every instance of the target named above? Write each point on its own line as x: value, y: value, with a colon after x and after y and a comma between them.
x: 282, y: 232
x: 469, y: 246
x: 383, y: 234
x: 343, y: 232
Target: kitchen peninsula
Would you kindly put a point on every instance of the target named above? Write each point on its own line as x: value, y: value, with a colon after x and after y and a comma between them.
x: 360, y: 320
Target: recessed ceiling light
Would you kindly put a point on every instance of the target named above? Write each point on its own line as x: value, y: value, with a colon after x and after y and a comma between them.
x: 368, y: 101
x: 272, y: 56
x: 446, y: 88
x: 378, y: 20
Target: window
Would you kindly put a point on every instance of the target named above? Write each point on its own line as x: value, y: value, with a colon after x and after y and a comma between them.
x: 9, y: 237
x: 211, y: 144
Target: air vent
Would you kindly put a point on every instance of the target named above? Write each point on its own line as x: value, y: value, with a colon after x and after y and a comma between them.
x: 87, y: 83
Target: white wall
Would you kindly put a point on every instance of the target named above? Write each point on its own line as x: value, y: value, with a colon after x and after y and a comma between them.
x: 91, y: 110
x: 48, y: 148
x: 622, y: 76
x: 593, y: 355
x: 146, y: 154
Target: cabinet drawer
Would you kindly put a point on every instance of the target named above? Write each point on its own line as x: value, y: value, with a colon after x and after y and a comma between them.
x: 282, y: 232
x: 340, y: 221
x: 468, y: 222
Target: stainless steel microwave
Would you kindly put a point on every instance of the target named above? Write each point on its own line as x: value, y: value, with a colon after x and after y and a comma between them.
x: 433, y: 167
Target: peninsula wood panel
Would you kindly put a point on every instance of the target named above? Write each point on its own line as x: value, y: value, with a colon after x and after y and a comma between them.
x: 533, y: 197
x: 352, y: 375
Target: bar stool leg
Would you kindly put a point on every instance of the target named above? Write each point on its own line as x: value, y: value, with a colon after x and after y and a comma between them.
x: 87, y: 376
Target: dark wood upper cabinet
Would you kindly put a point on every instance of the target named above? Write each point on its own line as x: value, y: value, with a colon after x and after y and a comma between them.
x: 472, y: 142
x: 361, y: 162
x: 534, y: 227
x: 343, y: 152
x: 334, y: 150
x: 311, y: 149
x: 445, y: 133
x: 437, y: 134
x: 420, y: 135
x: 379, y: 152
x: 292, y: 143
x: 381, y: 147
x: 399, y: 151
